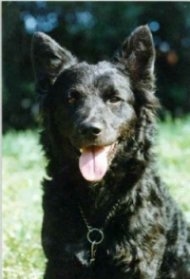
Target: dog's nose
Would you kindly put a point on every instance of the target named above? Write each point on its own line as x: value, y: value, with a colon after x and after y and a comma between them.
x: 91, y: 129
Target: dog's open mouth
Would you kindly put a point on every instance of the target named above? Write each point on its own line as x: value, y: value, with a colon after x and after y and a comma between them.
x: 94, y: 161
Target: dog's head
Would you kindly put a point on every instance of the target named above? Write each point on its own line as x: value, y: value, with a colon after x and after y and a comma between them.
x: 95, y: 107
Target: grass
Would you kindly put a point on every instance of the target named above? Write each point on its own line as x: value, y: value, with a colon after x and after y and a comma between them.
x: 23, y: 170
x: 173, y: 151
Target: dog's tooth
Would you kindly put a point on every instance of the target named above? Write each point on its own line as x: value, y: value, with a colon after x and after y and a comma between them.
x: 81, y: 150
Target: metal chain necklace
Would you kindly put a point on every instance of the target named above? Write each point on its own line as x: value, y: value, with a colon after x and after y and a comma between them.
x: 95, y: 236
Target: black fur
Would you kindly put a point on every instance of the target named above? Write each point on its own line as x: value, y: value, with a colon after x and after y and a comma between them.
x: 108, y: 103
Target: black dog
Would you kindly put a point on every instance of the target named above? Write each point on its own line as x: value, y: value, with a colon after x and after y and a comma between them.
x: 106, y: 213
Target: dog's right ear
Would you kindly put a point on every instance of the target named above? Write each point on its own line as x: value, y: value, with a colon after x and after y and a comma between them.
x: 48, y: 59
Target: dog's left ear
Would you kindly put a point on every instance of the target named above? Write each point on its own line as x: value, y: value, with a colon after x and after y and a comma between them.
x: 138, y: 54
x: 48, y: 59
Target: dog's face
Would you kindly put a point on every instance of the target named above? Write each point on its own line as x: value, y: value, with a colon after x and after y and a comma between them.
x: 93, y: 106
x: 94, y: 103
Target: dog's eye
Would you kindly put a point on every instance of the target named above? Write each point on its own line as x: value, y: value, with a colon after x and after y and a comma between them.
x: 112, y: 96
x: 73, y: 97
x: 114, y: 99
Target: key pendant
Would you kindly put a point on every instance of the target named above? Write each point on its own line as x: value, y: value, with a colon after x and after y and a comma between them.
x: 95, y: 237
x: 93, y: 252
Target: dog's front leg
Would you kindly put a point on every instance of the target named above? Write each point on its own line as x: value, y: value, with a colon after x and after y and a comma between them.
x: 59, y: 269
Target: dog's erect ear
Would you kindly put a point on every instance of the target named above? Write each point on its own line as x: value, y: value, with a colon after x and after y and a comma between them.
x: 49, y: 59
x: 138, y: 54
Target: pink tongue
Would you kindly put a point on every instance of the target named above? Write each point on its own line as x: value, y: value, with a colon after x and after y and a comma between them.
x: 93, y: 162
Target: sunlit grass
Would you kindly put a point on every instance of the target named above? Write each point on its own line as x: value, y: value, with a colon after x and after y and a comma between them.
x: 22, y: 172
x: 23, y: 169
x: 174, y: 159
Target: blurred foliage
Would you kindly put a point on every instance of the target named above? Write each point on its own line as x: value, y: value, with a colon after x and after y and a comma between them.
x: 23, y: 171
x: 92, y: 30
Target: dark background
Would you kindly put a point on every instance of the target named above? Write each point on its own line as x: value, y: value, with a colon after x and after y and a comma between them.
x: 93, y: 30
